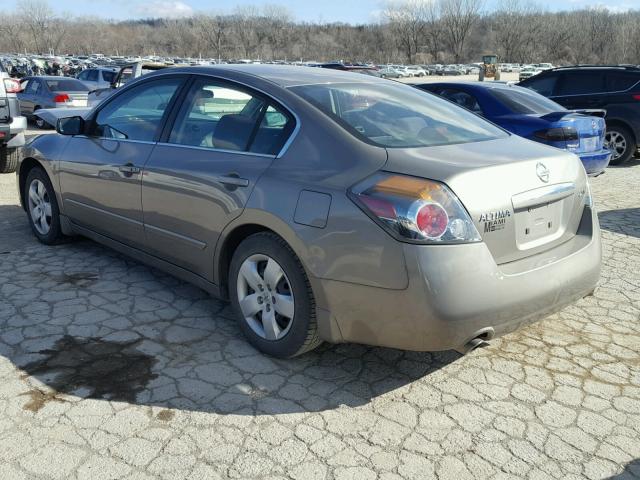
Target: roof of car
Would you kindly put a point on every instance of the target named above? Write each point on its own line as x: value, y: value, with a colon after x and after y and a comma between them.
x: 286, y: 75
x: 50, y: 77
x: 475, y: 85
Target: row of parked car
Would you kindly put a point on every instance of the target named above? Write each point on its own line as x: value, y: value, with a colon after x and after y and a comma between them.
x: 572, y: 118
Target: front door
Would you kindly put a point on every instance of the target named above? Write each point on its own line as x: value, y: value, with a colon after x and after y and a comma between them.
x: 101, y: 172
x: 198, y: 180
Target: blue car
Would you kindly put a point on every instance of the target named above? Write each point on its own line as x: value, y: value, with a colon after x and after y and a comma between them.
x: 533, y: 116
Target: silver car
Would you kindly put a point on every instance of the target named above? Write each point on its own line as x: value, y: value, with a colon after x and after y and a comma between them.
x: 325, y: 205
x: 38, y: 93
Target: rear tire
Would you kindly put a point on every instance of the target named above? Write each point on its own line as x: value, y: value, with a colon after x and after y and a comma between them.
x: 294, y: 335
x: 620, y: 140
x: 42, y: 207
x: 9, y: 160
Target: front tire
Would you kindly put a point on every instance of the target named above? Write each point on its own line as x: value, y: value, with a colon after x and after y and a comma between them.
x: 621, y: 142
x: 42, y: 207
x: 272, y: 297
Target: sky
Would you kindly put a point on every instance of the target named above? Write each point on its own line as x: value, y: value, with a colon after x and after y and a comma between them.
x: 348, y: 11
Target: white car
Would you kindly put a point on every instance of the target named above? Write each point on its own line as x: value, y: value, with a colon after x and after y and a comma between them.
x: 417, y: 71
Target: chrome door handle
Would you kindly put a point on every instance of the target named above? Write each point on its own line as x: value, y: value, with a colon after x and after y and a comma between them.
x: 233, y: 180
x: 129, y: 169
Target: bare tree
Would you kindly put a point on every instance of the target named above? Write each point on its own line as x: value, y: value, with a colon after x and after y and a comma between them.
x: 458, y: 18
x: 516, y: 27
x: 407, y: 20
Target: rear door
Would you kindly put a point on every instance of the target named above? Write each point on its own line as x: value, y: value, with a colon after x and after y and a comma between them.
x: 200, y: 178
x: 578, y: 89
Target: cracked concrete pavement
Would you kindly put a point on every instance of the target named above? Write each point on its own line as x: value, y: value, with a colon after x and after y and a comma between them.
x: 110, y: 369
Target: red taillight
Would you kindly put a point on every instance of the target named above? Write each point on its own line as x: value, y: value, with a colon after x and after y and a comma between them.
x: 432, y: 220
x: 11, y: 85
x: 61, y: 98
x: 635, y: 96
x: 381, y: 208
x: 415, y: 209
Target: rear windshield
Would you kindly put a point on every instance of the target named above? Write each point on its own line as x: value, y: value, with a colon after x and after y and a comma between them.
x: 395, y: 115
x: 66, y: 84
x: 109, y: 76
x: 522, y: 100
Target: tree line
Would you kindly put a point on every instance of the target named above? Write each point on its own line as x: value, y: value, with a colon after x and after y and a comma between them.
x: 408, y: 31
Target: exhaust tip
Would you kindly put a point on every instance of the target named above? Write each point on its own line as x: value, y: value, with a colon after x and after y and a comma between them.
x: 481, y: 340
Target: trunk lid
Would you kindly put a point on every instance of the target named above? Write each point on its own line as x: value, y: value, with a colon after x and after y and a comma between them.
x: 76, y: 99
x: 523, y: 197
x: 591, y: 130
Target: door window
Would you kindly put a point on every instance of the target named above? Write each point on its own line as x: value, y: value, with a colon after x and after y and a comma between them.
x: 223, y: 117
x: 83, y: 75
x: 92, y: 75
x: 463, y: 99
x: 620, y: 81
x: 543, y: 85
x: 581, y: 83
x: 137, y: 113
x: 33, y: 87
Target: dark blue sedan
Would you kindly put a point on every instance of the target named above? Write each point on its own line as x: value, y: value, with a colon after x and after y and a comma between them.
x: 533, y: 116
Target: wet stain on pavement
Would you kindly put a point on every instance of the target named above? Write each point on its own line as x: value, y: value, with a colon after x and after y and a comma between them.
x: 91, y: 368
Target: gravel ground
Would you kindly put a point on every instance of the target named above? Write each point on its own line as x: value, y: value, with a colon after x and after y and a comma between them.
x: 110, y: 369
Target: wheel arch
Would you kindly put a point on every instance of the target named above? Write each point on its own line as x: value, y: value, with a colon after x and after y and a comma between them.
x: 26, y: 165
x: 250, y: 223
x: 622, y: 123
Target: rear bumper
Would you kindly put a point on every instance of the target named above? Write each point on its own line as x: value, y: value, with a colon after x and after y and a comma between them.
x: 456, y: 292
x: 595, y: 162
x: 13, y: 132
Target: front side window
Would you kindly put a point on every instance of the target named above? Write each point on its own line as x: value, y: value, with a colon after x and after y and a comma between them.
x: 92, y: 75
x: 108, y: 76
x: 137, y: 113
x: 223, y: 117
x: 394, y: 115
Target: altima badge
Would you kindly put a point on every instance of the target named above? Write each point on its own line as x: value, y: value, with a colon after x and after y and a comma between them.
x: 543, y: 172
x: 494, y: 221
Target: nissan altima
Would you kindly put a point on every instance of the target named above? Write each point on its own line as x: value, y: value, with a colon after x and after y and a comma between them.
x: 325, y: 205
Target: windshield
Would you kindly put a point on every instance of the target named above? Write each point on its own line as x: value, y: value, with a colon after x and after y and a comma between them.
x: 396, y: 115
x: 67, y: 84
x: 523, y: 100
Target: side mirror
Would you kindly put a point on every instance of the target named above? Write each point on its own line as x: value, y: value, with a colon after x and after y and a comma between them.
x: 70, y: 125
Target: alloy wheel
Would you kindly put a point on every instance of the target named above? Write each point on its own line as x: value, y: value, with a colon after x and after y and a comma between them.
x: 265, y: 297
x: 40, y: 207
x: 615, y: 142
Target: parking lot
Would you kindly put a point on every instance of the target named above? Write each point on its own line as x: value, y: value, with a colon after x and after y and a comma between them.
x: 110, y: 369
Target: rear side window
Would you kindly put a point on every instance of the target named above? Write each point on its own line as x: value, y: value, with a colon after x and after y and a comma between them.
x: 543, y: 85
x: 461, y: 98
x: 522, y: 100
x: 620, y: 81
x: 581, y: 83
x: 222, y: 117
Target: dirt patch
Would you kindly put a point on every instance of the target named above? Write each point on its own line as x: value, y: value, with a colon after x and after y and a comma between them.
x: 38, y: 399
x: 91, y: 368
x: 166, y: 415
